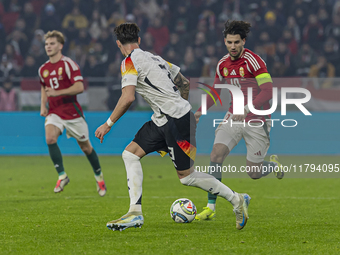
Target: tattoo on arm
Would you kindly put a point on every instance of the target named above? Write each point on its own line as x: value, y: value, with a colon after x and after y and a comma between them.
x: 183, y: 85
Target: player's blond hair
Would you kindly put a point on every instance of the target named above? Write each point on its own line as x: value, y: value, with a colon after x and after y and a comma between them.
x: 57, y: 34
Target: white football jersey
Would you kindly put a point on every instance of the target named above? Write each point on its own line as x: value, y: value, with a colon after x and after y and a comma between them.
x: 153, y: 78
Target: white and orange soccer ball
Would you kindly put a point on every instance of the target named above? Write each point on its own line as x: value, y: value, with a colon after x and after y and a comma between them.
x: 183, y: 210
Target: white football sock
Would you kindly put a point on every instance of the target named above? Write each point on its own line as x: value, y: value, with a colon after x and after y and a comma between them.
x: 134, y: 175
x: 212, y: 206
x: 211, y: 185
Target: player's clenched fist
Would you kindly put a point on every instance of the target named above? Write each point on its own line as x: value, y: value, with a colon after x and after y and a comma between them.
x: 102, y: 131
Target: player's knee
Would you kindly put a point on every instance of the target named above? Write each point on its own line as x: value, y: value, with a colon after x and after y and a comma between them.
x: 51, y: 140
x: 129, y: 157
x: 186, y: 180
x: 86, y: 149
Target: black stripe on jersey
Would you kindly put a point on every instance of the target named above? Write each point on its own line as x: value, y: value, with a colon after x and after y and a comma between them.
x: 151, y: 85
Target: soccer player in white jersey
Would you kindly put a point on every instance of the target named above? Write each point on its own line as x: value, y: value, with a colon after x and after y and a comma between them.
x: 173, y: 127
x: 244, y: 69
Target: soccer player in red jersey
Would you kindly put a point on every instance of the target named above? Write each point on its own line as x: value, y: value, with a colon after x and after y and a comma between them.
x: 61, y: 81
x: 242, y: 68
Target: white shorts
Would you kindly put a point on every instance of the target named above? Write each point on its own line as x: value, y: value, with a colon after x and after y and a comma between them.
x: 255, y: 136
x: 76, y: 128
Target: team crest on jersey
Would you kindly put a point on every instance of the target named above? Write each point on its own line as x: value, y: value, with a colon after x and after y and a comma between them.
x: 225, y: 71
x: 46, y: 73
x: 242, y: 71
x: 60, y: 72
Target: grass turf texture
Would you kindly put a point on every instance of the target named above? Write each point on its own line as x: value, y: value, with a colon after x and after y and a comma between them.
x: 291, y: 216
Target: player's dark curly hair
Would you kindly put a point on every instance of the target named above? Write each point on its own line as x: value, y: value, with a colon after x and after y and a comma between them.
x: 127, y: 33
x: 236, y: 27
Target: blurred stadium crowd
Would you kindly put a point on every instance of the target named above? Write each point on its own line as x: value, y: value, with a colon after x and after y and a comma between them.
x: 294, y: 37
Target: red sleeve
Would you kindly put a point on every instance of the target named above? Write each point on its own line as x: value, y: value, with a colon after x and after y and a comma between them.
x: 265, y: 95
x: 210, y: 101
x: 41, y: 80
x: 256, y: 64
x: 73, y: 71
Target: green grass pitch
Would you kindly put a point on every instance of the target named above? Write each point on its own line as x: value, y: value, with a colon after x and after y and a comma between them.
x: 289, y: 216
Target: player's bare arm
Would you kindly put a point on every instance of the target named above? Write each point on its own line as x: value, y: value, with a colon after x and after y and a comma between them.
x: 75, y: 89
x: 43, y: 108
x: 124, y: 102
x: 183, y: 85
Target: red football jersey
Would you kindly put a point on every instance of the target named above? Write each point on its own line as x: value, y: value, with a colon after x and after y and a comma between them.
x: 62, y: 75
x: 242, y: 72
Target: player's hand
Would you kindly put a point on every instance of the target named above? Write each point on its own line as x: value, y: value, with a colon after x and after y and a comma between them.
x: 102, y: 131
x: 43, y: 111
x: 51, y: 92
x: 240, y: 117
x: 197, y: 116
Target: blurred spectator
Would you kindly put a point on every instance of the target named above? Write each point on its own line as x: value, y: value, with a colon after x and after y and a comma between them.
x: 13, y: 5
x: 8, y: 96
x: 93, y: 68
x: 313, y: 32
x: 30, y: 18
x: 30, y: 69
x: 140, y: 19
x: 271, y: 27
x: 76, y: 19
x: 191, y: 67
x: 150, y: 8
x: 175, y: 44
x: 13, y: 57
x: 267, y: 42
x: 324, y: 70
x: 19, y: 41
x: 291, y: 43
x: 2, y: 38
x: 38, y: 54
x: 278, y: 69
x: 181, y: 20
x: 50, y: 20
x: 209, y: 68
x: 331, y: 52
x: 39, y: 39
x: 160, y: 34
x: 115, y: 19
x: 333, y: 29
x: 300, y: 18
x: 321, y: 4
x: 6, y: 68
x: 97, y: 24
x: 83, y: 40
x: 323, y: 17
x: 147, y: 43
x: 262, y: 52
x: 77, y: 54
x: 294, y: 28
x: 283, y: 55
x: 280, y: 14
x: 298, y: 5
x: 304, y: 60
x: 100, y: 53
x: 172, y: 56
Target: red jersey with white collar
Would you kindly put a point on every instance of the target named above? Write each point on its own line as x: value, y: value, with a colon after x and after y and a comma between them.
x: 62, y: 75
x: 249, y: 70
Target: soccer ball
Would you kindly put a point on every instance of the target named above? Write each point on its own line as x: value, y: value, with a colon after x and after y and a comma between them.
x: 183, y: 210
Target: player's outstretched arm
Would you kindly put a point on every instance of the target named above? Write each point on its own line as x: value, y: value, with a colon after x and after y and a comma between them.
x: 75, y: 89
x: 124, y: 102
x: 183, y: 85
